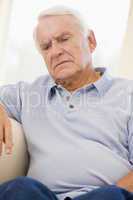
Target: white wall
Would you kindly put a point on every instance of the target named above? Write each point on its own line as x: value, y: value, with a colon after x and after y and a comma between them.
x: 5, y: 12
x: 107, y: 18
x: 126, y: 59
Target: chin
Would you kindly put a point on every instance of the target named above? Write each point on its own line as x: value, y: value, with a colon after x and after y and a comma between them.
x: 63, y: 76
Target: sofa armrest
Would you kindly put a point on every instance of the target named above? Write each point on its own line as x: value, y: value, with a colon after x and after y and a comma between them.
x: 15, y: 164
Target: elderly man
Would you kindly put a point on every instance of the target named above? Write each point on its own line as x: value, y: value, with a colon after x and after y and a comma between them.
x: 77, y: 120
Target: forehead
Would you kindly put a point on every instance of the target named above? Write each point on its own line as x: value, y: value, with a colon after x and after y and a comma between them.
x: 52, y: 26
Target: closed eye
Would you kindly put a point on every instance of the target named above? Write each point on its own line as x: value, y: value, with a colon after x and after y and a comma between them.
x: 45, y: 46
x: 64, y: 38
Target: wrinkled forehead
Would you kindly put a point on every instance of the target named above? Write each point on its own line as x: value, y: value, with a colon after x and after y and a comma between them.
x: 49, y: 26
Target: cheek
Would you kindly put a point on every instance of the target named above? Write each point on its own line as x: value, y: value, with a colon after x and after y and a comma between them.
x: 75, y: 51
x: 84, y: 53
x: 79, y: 51
x: 79, y: 55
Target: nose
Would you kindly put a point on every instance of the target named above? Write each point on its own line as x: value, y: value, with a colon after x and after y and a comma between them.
x: 56, y: 50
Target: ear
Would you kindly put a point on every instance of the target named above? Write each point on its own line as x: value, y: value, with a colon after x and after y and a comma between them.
x: 92, y: 40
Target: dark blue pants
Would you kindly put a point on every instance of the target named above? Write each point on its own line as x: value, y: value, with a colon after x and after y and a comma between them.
x: 26, y: 188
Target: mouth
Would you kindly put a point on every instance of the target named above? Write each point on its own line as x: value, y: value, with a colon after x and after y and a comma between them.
x: 65, y: 61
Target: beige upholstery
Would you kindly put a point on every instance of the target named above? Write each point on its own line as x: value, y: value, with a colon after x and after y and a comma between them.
x: 15, y: 164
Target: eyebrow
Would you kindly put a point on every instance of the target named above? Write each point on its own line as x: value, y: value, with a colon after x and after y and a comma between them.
x: 55, y: 37
x: 62, y: 34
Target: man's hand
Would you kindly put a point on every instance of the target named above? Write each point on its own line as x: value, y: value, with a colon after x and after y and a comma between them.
x: 5, y: 132
x: 126, y: 182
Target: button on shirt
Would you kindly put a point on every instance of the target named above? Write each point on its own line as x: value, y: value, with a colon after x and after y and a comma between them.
x: 77, y: 141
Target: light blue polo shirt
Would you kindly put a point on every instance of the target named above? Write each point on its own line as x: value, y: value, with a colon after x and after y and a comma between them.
x: 77, y: 142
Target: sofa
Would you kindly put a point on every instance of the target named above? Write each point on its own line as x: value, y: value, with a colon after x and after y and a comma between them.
x: 15, y: 164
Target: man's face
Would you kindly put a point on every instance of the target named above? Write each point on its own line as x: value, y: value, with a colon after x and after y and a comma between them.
x: 65, y: 49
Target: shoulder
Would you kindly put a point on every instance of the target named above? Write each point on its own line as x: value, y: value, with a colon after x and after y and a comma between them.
x: 21, y: 87
x: 41, y: 80
x: 37, y: 84
x: 121, y: 84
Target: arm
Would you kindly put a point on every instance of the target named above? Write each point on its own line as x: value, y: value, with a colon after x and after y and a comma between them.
x: 126, y: 182
x: 5, y: 131
x: 10, y: 106
x: 11, y: 101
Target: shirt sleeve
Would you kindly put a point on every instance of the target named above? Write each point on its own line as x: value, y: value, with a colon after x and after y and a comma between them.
x: 10, y: 98
x: 130, y: 138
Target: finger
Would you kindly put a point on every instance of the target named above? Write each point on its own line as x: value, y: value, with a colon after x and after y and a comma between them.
x: 1, y: 139
x: 8, y: 137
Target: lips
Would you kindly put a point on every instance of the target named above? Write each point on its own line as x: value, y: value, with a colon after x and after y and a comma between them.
x: 65, y: 61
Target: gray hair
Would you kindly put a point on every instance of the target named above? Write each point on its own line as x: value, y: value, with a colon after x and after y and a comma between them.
x: 60, y: 11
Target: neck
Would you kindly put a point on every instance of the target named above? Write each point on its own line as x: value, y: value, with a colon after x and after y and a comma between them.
x: 87, y: 76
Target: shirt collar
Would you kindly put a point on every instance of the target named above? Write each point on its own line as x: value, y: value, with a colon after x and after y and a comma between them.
x: 101, y: 85
x: 105, y: 81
